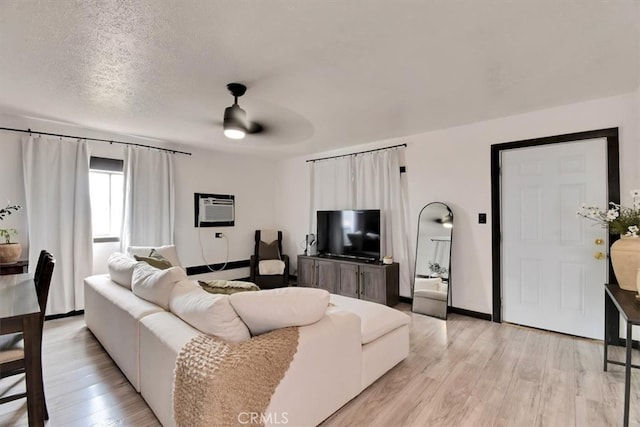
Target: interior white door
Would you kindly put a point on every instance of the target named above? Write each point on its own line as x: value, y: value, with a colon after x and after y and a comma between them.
x: 550, y: 277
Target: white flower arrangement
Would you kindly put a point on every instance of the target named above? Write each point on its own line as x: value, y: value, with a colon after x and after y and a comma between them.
x: 618, y: 219
x: 436, y: 268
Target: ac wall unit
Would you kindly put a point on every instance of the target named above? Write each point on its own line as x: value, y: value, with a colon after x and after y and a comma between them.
x: 214, y: 210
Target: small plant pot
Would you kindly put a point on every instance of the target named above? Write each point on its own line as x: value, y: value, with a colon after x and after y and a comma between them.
x: 10, y: 253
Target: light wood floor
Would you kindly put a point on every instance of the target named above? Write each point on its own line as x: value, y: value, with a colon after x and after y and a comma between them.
x: 463, y: 372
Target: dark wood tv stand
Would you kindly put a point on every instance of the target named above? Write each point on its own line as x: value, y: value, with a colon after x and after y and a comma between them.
x: 357, y: 279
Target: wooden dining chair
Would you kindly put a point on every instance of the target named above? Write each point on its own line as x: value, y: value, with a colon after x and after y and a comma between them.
x: 12, y: 360
x: 41, y: 259
x: 12, y: 339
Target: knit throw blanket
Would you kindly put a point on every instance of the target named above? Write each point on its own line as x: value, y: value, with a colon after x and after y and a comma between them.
x: 218, y: 383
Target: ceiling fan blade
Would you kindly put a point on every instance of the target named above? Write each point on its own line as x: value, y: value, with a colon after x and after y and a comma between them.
x: 255, y: 127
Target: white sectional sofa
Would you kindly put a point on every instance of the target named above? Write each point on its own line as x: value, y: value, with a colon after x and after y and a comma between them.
x: 338, y: 356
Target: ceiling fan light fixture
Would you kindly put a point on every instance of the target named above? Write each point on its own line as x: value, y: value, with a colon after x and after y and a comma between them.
x: 234, y: 133
x: 234, y: 122
x: 446, y: 221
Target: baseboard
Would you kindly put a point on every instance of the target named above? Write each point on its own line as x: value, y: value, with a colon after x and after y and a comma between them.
x: 456, y: 310
x: 621, y: 342
x: 469, y: 313
x: 231, y: 265
x: 63, y: 315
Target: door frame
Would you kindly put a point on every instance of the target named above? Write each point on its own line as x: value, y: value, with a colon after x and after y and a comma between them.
x: 613, y: 192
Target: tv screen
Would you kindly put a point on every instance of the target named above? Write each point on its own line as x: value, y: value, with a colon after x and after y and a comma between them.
x: 349, y: 233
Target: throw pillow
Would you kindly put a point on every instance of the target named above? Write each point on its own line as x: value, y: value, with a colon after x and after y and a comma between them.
x: 155, y: 260
x: 227, y: 287
x: 120, y: 267
x: 265, y: 311
x: 268, y: 250
x: 167, y: 251
x: 154, y: 285
x: 209, y: 313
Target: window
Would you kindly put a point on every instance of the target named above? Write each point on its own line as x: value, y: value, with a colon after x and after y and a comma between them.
x: 106, y: 185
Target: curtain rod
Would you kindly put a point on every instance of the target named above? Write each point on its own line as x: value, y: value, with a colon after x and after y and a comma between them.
x: 360, y: 152
x: 110, y: 141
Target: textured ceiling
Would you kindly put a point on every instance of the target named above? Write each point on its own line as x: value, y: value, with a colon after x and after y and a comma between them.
x: 321, y: 74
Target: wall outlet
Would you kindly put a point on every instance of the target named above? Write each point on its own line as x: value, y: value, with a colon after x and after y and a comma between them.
x: 218, y: 235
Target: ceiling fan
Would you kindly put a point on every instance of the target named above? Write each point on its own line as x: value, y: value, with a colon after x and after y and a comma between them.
x: 235, y: 124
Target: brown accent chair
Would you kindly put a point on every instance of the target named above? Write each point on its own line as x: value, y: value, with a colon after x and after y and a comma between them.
x: 266, y: 251
x: 12, y: 360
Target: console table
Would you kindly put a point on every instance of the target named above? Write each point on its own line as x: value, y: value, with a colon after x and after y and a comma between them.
x: 368, y: 281
x: 19, y: 267
x: 624, y: 303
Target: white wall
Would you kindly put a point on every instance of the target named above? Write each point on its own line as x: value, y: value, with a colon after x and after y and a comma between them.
x: 292, y: 207
x: 251, y: 180
x: 453, y: 166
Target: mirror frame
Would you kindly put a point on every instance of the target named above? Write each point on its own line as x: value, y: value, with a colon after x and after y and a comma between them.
x: 415, y: 269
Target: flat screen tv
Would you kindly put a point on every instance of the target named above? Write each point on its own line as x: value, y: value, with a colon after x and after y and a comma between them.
x: 350, y: 234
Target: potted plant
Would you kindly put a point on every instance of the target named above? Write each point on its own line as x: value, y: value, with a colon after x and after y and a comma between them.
x: 625, y: 253
x: 9, y: 251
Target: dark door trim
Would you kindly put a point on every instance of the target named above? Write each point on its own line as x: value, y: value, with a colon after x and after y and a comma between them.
x: 613, y: 189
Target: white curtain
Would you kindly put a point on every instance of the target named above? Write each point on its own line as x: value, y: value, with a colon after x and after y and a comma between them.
x: 332, y: 186
x: 149, y: 200
x: 368, y: 181
x: 56, y: 177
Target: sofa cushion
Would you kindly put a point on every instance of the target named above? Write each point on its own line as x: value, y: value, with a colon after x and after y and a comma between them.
x: 376, y: 319
x: 112, y: 313
x: 432, y: 283
x: 271, y: 267
x: 155, y: 285
x: 168, y: 251
x: 427, y: 293
x: 264, y: 311
x: 433, y: 288
x: 120, y: 267
x: 209, y: 313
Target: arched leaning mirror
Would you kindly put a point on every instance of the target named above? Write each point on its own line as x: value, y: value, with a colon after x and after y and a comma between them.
x: 431, y: 284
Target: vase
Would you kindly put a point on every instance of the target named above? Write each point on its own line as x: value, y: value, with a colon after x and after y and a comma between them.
x: 10, y: 253
x: 625, y: 258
